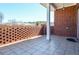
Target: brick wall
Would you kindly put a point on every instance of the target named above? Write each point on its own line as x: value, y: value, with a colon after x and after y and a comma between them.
x: 65, y: 21
x: 9, y: 34
x: 44, y: 27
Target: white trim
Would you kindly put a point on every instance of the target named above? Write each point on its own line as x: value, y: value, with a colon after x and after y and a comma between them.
x: 48, y: 22
x: 78, y: 24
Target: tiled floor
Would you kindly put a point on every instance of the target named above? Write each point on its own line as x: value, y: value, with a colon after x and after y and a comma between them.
x: 40, y: 46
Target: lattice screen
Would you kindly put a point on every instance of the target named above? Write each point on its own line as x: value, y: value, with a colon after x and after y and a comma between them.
x: 9, y: 34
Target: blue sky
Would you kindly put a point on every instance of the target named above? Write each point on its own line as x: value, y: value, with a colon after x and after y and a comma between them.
x: 23, y: 12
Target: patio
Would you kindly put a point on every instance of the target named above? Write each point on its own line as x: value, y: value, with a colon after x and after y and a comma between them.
x: 58, y: 45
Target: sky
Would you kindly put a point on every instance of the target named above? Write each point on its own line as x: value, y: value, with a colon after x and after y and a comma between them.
x: 22, y: 12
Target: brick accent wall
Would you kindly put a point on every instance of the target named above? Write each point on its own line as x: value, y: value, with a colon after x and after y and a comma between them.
x: 66, y: 22
x: 9, y: 34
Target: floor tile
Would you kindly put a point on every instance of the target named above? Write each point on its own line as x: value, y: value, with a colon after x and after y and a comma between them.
x: 58, y: 45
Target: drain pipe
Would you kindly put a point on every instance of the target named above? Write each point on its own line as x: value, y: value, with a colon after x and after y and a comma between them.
x: 48, y: 21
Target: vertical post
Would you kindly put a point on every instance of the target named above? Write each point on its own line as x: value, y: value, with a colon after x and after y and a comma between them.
x: 78, y: 24
x: 48, y: 21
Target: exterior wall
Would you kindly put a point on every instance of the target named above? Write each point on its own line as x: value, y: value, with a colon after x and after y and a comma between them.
x: 43, y: 32
x: 9, y: 34
x: 77, y: 5
x: 66, y: 22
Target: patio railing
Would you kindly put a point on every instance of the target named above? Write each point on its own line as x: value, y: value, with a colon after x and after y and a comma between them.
x: 13, y: 33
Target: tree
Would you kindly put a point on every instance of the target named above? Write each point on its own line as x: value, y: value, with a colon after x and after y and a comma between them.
x: 1, y: 17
